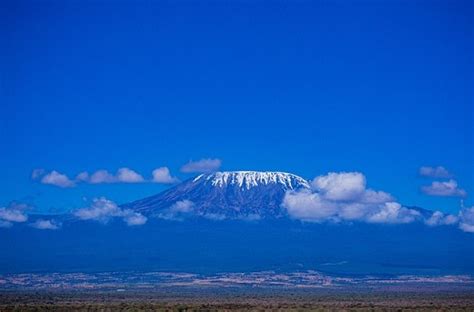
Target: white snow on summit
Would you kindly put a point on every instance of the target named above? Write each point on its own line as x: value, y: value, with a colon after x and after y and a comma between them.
x: 250, y: 179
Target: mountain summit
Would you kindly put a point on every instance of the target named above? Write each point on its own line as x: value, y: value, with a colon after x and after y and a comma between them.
x: 219, y: 195
x: 249, y: 179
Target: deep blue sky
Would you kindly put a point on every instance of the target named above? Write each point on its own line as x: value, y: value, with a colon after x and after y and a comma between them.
x: 381, y: 87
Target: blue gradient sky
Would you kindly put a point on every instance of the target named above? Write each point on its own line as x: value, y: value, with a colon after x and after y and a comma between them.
x: 380, y: 87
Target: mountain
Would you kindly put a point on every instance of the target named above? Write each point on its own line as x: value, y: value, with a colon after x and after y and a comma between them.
x: 229, y: 195
x: 201, y: 245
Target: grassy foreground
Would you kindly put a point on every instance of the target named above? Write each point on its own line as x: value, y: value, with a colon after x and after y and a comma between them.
x: 239, y: 302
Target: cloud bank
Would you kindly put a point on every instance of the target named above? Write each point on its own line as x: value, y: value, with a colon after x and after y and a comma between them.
x: 202, y: 166
x: 123, y: 175
x: 439, y: 218
x: 104, y: 210
x: 464, y: 219
x: 344, y: 197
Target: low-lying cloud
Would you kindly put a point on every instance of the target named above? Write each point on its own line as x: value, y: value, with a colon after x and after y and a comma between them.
x: 466, y: 219
x: 344, y: 197
x: 103, y: 210
x: 13, y: 213
x: 202, y: 166
x: 439, y: 218
x: 177, y: 211
x: 42, y: 224
x: 444, y: 188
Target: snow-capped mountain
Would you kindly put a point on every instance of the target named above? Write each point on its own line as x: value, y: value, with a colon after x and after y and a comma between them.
x: 249, y: 179
x: 231, y: 194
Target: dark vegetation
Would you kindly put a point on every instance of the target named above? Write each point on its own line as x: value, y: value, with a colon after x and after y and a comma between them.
x: 295, y: 301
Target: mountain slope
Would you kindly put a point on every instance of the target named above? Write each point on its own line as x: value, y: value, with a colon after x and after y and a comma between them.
x: 234, y: 194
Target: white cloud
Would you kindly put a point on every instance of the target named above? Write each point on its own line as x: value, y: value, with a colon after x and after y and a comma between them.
x: 103, y: 210
x: 344, y: 197
x: 41, y: 224
x: 306, y: 205
x: 82, y: 177
x: 466, y: 219
x: 434, y: 172
x: 375, y: 197
x: 37, y: 173
x: 123, y: 175
x: 134, y: 218
x: 447, y: 188
x: 14, y: 213
x: 393, y: 212
x: 182, y: 206
x: 57, y: 179
x: 202, y: 166
x: 126, y: 175
x: 162, y: 175
x: 177, y: 211
x: 102, y: 176
x: 439, y: 218
x: 340, y: 186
